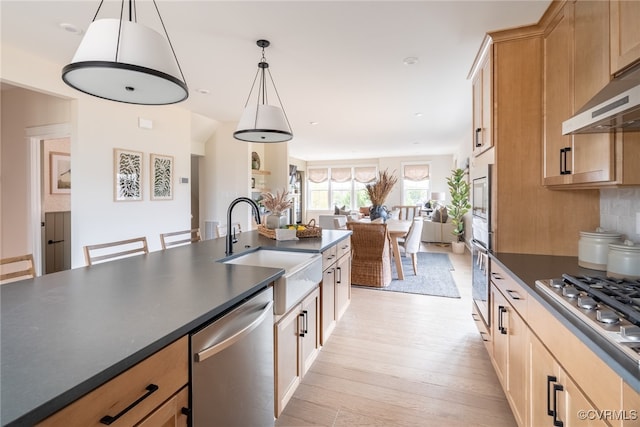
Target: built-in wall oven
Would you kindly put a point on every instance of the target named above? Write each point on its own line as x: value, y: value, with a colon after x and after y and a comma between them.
x: 481, y: 241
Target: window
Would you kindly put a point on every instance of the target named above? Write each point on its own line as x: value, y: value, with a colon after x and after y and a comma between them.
x: 339, y: 186
x: 415, y: 184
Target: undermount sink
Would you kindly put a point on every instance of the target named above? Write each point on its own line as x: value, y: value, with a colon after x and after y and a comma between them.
x: 302, y: 273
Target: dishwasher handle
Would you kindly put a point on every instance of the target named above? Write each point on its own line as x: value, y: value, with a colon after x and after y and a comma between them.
x: 203, y: 355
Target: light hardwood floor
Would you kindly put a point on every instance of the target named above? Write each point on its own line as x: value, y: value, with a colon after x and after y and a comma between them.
x: 403, y: 360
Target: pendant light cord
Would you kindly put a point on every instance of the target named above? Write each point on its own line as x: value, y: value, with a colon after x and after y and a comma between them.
x: 169, y: 40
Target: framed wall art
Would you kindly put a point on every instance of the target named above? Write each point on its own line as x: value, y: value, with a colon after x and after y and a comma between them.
x: 60, y: 173
x: 128, y: 175
x: 161, y: 177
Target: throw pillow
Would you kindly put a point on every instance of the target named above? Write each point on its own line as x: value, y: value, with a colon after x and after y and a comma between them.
x: 440, y: 215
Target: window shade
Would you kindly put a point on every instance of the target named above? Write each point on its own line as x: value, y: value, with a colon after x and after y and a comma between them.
x: 365, y: 174
x: 340, y: 174
x: 318, y: 175
x: 416, y: 172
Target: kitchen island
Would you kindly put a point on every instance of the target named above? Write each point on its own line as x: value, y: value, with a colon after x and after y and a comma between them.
x: 67, y: 333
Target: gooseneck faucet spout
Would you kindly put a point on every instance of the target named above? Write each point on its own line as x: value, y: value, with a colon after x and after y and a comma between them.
x: 231, y: 238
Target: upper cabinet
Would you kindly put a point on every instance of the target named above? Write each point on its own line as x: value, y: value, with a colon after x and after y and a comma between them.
x: 576, y: 68
x: 482, y: 99
x: 625, y: 34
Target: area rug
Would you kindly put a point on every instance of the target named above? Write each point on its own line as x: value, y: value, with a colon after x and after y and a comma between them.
x: 434, y: 277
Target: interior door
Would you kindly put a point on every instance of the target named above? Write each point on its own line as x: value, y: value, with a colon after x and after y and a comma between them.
x: 57, y: 232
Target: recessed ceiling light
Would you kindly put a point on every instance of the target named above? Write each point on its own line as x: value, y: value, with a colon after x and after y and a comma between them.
x: 313, y: 123
x: 410, y: 60
x: 203, y: 91
x: 416, y: 142
x: 70, y: 28
x: 418, y: 114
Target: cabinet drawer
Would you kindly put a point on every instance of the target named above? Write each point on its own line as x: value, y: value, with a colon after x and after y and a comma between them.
x: 168, y: 369
x: 329, y: 257
x: 512, y: 291
x: 343, y: 247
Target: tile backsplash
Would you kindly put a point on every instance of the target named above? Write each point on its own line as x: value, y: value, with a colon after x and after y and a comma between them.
x: 619, y: 208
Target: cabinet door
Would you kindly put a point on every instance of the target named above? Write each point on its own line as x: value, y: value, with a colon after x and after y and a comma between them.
x: 343, y: 285
x: 593, y: 154
x: 500, y: 320
x: 574, y: 406
x: 517, y: 366
x: 310, y: 337
x: 625, y: 33
x: 544, y: 373
x: 558, y: 81
x: 483, y: 106
x: 287, y: 366
x: 327, y: 290
x: 170, y: 414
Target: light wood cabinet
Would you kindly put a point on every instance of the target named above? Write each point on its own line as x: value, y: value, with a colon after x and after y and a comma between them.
x: 171, y: 414
x: 625, y: 34
x: 555, y: 397
x: 576, y: 67
x: 296, y: 347
x: 149, y: 384
x: 510, y: 335
x: 482, y: 102
x: 335, y: 287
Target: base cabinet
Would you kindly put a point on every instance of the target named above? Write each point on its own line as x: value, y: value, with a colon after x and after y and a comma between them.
x: 335, y: 288
x: 296, y: 347
x: 556, y: 400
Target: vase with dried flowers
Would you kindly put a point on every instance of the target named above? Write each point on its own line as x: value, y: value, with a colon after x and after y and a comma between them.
x: 276, y: 203
x: 378, y: 192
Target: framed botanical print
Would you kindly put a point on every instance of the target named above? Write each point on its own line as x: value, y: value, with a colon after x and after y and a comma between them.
x: 128, y: 175
x: 161, y: 177
x: 60, y: 172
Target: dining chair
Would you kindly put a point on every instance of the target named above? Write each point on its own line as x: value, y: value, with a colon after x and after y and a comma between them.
x: 17, y: 268
x: 410, y: 245
x: 407, y: 212
x: 221, y: 230
x: 371, y: 254
x: 180, y: 238
x: 94, y: 254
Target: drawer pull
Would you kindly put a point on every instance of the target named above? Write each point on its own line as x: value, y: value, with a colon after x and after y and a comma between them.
x: 496, y: 276
x: 550, y: 379
x: 339, y: 280
x: 108, y: 419
x: 501, y: 327
x: 513, y: 294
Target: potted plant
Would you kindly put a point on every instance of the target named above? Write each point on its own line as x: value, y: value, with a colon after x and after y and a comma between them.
x: 378, y: 192
x: 459, y: 206
x: 276, y: 204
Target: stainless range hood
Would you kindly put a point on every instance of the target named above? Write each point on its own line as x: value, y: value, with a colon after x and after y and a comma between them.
x: 616, y: 107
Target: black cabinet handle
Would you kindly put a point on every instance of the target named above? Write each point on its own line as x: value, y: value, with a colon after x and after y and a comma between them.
x: 513, y: 294
x: 301, y: 325
x: 556, y: 389
x: 187, y: 412
x: 108, y: 419
x: 305, y: 318
x: 339, y: 280
x: 550, y: 379
x: 478, y: 143
x: 51, y: 242
x: 563, y: 161
x: 501, y: 328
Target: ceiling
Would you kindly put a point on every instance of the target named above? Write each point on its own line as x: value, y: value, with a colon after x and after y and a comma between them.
x: 336, y: 64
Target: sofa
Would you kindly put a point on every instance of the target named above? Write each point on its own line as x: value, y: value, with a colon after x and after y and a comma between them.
x: 437, y: 231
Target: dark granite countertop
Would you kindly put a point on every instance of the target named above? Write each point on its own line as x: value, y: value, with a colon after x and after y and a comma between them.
x: 64, y: 334
x: 527, y: 269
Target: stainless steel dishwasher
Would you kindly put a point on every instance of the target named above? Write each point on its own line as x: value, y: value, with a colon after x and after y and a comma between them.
x: 232, y: 367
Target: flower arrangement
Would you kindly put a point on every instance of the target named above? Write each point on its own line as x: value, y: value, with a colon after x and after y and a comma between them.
x: 379, y: 190
x: 276, y: 203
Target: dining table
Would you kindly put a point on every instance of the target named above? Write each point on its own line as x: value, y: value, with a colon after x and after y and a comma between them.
x: 397, y: 229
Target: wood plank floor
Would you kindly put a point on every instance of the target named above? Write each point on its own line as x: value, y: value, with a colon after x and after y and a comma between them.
x: 403, y: 360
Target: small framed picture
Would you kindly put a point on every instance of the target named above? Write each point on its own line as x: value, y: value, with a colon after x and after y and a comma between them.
x: 161, y: 177
x: 128, y: 175
x: 60, y: 173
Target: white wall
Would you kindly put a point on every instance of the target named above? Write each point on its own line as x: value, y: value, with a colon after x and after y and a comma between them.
x: 98, y: 126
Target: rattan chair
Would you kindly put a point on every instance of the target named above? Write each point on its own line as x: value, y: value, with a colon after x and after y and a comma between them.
x: 371, y: 254
x: 179, y: 238
x: 17, y: 268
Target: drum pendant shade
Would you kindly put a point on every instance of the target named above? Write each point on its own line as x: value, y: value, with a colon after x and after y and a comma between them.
x: 145, y: 71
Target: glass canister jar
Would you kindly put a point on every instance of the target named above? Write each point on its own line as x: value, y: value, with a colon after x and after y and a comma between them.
x: 593, y: 248
x: 624, y: 260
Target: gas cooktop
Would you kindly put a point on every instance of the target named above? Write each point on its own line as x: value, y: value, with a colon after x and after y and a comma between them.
x: 611, y: 307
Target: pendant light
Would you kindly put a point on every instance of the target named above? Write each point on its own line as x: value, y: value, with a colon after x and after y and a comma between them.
x: 263, y: 122
x: 125, y: 61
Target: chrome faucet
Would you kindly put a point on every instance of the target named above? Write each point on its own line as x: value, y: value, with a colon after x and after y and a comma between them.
x: 231, y: 239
